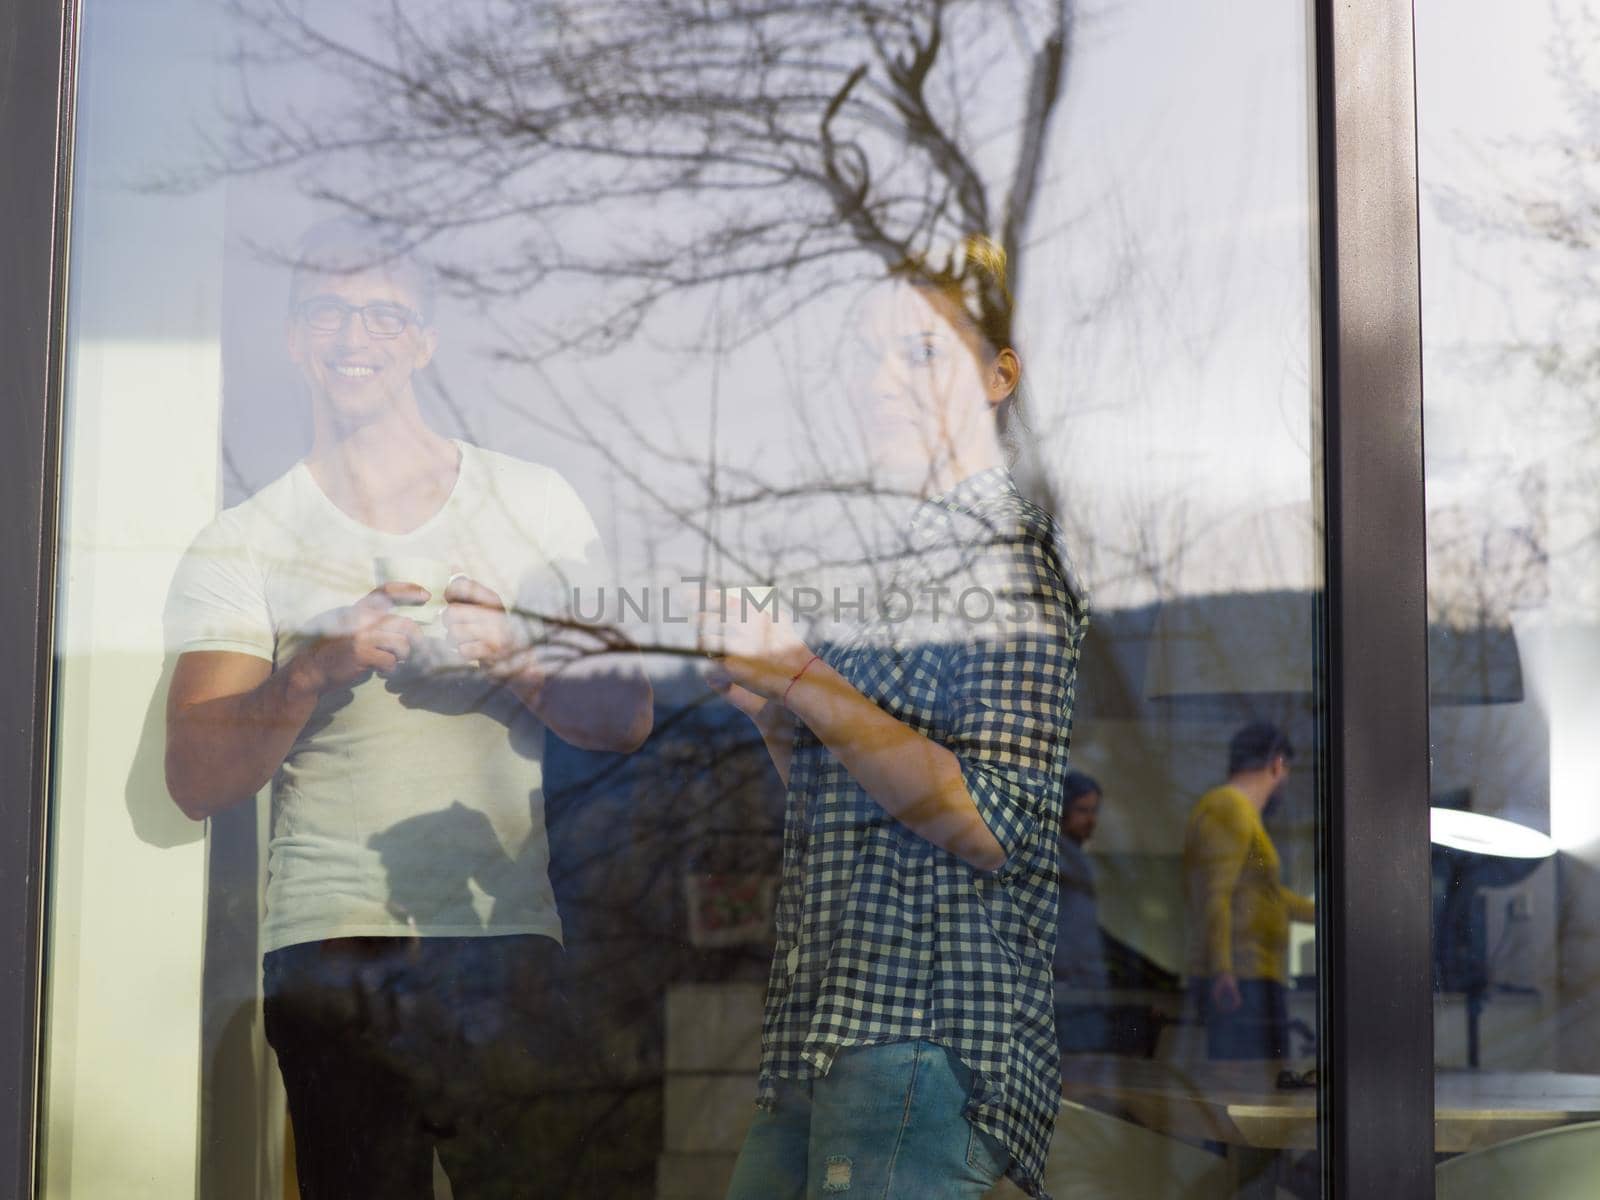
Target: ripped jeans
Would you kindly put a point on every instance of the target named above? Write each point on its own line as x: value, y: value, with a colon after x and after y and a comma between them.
x: 885, y: 1123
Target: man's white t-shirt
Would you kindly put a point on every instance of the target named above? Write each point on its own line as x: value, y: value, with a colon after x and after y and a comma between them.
x: 413, y: 804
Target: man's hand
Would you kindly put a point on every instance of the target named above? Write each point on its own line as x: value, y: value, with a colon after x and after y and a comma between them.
x: 479, y: 627
x: 354, y: 641
x: 232, y: 719
x: 755, y: 655
x: 505, y: 649
x: 1225, y: 997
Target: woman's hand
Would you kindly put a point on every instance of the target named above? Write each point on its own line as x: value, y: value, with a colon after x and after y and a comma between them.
x: 755, y: 654
x: 754, y: 658
x: 770, y: 717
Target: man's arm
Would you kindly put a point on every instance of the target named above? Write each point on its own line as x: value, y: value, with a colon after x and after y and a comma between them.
x: 605, y: 703
x: 232, y: 719
x: 591, y: 693
x: 1301, y: 908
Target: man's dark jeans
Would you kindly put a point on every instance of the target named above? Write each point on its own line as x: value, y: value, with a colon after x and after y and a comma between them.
x: 1259, y: 1028
x: 392, y: 1048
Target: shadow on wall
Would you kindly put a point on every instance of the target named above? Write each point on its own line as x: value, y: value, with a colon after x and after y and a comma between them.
x: 156, y: 820
x: 233, y: 1088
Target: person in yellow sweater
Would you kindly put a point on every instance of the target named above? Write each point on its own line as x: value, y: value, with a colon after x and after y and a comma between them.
x: 1239, y: 909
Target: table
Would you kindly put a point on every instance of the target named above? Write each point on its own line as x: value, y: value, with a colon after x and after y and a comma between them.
x: 1239, y: 1104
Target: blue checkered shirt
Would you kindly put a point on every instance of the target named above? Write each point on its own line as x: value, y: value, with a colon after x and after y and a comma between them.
x: 883, y: 936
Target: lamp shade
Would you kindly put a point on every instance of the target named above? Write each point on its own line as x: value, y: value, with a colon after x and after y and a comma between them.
x: 1489, y: 837
x: 1472, y: 851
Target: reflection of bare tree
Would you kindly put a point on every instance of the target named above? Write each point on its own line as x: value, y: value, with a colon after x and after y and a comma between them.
x: 603, y: 157
x: 1533, y: 195
x: 642, y: 150
x: 1487, y: 569
x: 614, y: 162
x: 1540, y: 191
x: 1512, y: 435
x: 606, y: 156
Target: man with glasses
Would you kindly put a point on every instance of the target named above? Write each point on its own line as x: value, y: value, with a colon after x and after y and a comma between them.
x: 364, y: 633
x: 1239, y: 909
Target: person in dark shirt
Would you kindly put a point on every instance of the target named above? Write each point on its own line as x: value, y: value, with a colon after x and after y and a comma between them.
x: 1079, y: 965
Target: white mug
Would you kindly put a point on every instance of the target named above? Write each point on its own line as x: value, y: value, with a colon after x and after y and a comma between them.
x: 425, y: 572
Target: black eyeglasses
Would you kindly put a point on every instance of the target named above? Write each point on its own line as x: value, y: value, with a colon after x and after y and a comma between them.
x: 327, y: 315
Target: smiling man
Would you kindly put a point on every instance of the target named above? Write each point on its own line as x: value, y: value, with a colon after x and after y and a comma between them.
x: 363, y: 634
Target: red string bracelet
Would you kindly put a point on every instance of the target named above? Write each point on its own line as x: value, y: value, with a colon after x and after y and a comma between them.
x: 795, y: 678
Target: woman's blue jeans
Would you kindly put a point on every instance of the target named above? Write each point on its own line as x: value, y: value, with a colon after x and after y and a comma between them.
x: 885, y: 1123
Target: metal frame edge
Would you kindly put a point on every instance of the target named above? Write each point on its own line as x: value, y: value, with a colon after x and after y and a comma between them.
x: 1375, y: 927
x: 37, y: 87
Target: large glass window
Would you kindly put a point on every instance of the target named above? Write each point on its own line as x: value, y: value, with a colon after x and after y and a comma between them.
x: 1506, y: 158
x: 621, y: 560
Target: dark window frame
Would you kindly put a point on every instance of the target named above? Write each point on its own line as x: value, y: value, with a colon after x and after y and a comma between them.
x: 1374, y: 928
x: 36, y: 96
x: 1377, y: 1008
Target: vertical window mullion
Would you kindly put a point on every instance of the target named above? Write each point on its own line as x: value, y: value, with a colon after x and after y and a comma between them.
x: 35, y: 112
x: 1377, y: 989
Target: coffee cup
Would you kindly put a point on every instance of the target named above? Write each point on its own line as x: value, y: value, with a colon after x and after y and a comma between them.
x: 429, y: 573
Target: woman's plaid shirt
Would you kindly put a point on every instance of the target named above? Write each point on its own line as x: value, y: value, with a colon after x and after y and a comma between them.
x: 884, y: 937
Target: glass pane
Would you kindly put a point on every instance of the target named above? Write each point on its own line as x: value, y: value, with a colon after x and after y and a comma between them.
x: 627, y: 560
x: 1508, y: 321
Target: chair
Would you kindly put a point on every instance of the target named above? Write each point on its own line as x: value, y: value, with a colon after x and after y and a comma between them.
x: 1557, y: 1164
